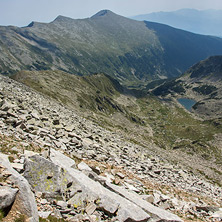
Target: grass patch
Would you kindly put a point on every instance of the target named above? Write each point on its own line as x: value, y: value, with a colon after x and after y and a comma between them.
x: 21, y: 218
x: 51, y: 219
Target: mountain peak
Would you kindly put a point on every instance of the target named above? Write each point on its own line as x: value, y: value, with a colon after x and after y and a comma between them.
x: 31, y: 24
x: 62, y: 18
x: 103, y: 13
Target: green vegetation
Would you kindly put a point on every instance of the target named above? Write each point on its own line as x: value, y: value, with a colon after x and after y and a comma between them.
x: 2, y: 214
x: 168, y: 87
x: 205, y: 89
x: 21, y: 218
x: 51, y: 219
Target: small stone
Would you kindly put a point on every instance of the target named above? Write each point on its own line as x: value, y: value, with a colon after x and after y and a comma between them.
x: 149, y: 198
x: 43, y: 201
x: 18, y: 167
x: 28, y: 153
x: 120, y: 175
x: 38, y: 194
x: 90, y: 209
x: 217, y: 215
x: 156, y: 198
x: 116, y: 181
x: 44, y: 214
x: 35, y: 114
x: 45, y: 154
x: 96, y: 170
x: 62, y: 204
x: 6, y: 105
x: 83, y: 166
x: 7, y: 196
x: 164, y: 197
x: 164, y: 206
x: 69, y: 128
x: 109, y: 177
x: 57, y: 213
x: 131, y: 187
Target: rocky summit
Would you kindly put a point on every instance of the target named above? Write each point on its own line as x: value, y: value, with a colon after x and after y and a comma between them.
x: 58, y: 166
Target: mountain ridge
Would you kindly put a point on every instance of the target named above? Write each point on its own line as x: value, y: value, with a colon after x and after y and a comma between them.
x: 128, y: 50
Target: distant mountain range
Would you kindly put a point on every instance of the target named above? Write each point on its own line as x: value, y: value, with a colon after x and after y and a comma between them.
x: 207, y: 22
x: 128, y: 50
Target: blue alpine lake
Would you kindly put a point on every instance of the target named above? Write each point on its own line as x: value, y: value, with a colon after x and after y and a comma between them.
x: 186, y: 103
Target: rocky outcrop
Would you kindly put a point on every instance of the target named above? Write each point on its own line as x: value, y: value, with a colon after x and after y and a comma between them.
x: 158, y: 214
x: 114, y: 202
x: 7, y: 196
x: 22, y: 200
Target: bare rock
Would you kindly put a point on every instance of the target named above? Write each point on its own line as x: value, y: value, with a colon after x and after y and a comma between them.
x: 157, y: 213
x: 25, y: 201
x: 84, y: 167
x: 19, y: 167
x: 110, y: 202
x: 90, y: 209
x: 7, y: 196
x: 44, y: 214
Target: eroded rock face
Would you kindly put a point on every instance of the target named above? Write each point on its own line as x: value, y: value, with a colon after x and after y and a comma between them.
x: 24, y: 203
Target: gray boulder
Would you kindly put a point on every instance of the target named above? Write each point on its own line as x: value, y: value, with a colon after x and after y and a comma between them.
x: 42, y: 174
x: 49, y: 178
x: 25, y: 201
x: 7, y: 196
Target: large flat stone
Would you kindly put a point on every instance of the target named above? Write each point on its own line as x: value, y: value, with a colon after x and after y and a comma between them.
x: 109, y: 202
x: 156, y: 213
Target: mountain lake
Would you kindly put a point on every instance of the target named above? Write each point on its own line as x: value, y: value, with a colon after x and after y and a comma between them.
x: 186, y: 103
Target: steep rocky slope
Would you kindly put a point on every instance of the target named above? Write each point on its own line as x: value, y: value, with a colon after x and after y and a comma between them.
x: 123, y: 48
x: 161, y: 126
x: 31, y: 121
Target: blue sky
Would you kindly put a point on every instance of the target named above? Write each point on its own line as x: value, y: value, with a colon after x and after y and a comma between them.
x: 22, y: 12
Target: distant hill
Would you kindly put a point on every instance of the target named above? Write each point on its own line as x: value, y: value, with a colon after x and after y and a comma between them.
x: 206, y: 22
x: 131, y: 51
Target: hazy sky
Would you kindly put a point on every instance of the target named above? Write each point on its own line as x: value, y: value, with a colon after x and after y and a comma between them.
x: 22, y: 12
